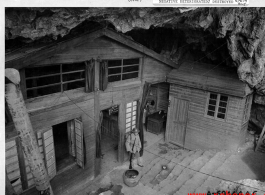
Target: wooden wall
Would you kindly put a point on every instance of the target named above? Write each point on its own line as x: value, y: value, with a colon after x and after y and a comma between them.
x: 206, y: 133
x: 154, y: 71
x: 56, y: 108
x: 102, y: 48
x: 64, y: 110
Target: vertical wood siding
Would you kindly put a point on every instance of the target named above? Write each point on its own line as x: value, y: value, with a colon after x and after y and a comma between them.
x: 204, y: 132
x: 154, y: 71
x: 56, y: 108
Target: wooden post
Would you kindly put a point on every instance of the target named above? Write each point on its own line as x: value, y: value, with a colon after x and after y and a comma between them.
x: 121, y: 121
x: 261, y: 138
x: 26, y: 134
x: 96, y: 113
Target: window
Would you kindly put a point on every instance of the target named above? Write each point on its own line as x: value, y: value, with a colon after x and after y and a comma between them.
x: 217, y: 105
x: 131, y: 111
x: 124, y: 69
x: 246, y: 109
x: 54, y: 78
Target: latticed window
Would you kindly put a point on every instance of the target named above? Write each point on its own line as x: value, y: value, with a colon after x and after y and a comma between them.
x: 54, y: 78
x: 131, y: 112
x: 217, y: 106
x: 246, y: 109
x: 123, y: 69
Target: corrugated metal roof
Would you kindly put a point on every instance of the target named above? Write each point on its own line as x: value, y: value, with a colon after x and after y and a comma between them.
x: 209, y: 77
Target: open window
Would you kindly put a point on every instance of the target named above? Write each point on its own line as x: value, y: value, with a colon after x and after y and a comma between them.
x: 217, y: 106
x: 45, y: 80
x: 123, y: 69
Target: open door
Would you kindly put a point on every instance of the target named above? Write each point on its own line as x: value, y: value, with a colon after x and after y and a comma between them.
x: 71, y: 137
x: 177, y: 121
x: 79, y: 142
x: 49, y: 153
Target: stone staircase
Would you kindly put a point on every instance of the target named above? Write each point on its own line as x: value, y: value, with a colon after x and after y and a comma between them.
x: 187, y: 171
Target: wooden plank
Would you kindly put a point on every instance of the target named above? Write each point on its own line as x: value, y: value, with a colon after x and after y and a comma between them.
x: 134, y: 45
x: 49, y: 154
x: 18, y: 189
x: 11, y: 152
x: 79, y: 142
x: 23, y: 83
x: 47, y: 135
x: 49, y: 51
x: 10, y: 144
x: 11, y: 160
x: 121, y: 126
x: 179, y: 122
x: 14, y: 175
x: 12, y: 167
x: 261, y: 142
x: 21, y: 160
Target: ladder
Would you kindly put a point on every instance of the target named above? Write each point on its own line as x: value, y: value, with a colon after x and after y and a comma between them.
x: 261, y: 142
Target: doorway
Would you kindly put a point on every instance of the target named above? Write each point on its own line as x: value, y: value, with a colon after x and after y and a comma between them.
x: 176, y: 125
x: 63, y: 157
x: 109, y: 138
x: 156, y: 110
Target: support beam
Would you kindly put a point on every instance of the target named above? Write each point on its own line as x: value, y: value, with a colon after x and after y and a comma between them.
x: 26, y: 134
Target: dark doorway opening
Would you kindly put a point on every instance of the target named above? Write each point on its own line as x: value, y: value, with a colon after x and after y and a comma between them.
x: 61, y: 146
x: 109, y: 138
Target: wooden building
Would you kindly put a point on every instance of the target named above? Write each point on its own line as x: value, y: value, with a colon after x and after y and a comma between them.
x: 209, y: 107
x: 66, y: 85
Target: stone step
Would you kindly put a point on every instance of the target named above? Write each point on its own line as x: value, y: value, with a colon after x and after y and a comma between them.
x: 176, y: 170
x: 191, y: 185
x: 179, y: 155
x: 209, y: 169
x: 156, y: 169
x: 186, y: 161
x: 199, y: 178
x: 184, y: 174
x: 215, y: 162
x: 147, y: 167
x: 210, y: 183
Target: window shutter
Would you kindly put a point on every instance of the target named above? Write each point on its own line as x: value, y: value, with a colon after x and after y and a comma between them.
x: 49, y: 153
x: 103, y: 77
x: 90, y: 75
x: 79, y: 143
x: 71, y: 137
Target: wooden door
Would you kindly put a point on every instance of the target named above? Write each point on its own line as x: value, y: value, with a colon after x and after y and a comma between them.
x: 79, y: 143
x: 49, y: 153
x: 71, y: 137
x: 177, y: 121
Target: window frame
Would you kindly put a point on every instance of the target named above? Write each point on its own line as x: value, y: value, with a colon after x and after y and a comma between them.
x: 216, y: 107
x: 122, y: 73
x: 61, y: 83
x: 131, y: 126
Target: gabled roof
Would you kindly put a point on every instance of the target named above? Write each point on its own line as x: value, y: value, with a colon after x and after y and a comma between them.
x: 29, y: 55
x: 209, y: 77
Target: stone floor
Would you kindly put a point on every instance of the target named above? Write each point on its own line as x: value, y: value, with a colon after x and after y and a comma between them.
x: 187, y: 171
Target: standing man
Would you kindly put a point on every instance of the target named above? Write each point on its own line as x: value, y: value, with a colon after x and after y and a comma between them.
x: 133, y: 146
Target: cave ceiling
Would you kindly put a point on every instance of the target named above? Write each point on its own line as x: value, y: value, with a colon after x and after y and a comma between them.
x: 221, y: 36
